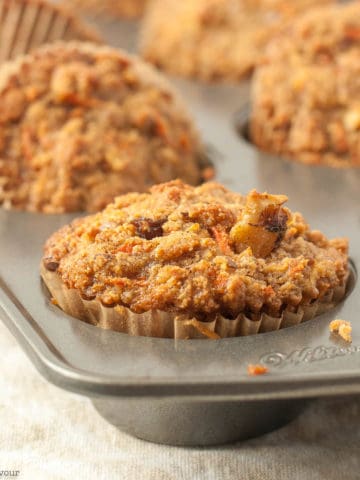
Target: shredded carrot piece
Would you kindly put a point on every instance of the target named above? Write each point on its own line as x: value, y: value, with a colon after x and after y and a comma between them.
x: 222, y: 239
x: 185, y: 142
x: 126, y: 248
x: 160, y: 127
x: 254, y: 370
x: 75, y: 99
x: 352, y: 32
x: 269, y: 291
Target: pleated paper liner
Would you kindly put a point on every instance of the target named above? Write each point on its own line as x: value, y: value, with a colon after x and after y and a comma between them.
x: 27, y: 24
x: 156, y: 323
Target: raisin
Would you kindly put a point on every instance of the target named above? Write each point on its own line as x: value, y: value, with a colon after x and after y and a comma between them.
x: 88, y: 295
x: 148, y: 228
x: 50, y: 264
x: 274, y: 219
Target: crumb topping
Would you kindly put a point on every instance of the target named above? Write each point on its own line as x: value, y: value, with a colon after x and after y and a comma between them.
x: 305, y: 95
x: 81, y: 124
x: 214, y: 39
x: 197, y: 251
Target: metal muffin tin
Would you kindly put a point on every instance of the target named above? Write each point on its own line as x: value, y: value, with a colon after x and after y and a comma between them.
x: 195, y: 392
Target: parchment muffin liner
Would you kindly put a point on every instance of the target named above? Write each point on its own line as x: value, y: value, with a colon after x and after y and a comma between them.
x: 156, y: 323
x: 27, y: 24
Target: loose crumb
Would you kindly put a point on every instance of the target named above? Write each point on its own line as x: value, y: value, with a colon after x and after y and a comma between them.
x: 254, y: 370
x: 54, y: 301
x: 342, y: 328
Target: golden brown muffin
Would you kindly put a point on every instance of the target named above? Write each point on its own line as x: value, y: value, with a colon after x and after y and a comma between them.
x: 117, y: 8
x: 204, y: 255
x: 81, y: 124
x: 306, y: 97
x: 214, y: 40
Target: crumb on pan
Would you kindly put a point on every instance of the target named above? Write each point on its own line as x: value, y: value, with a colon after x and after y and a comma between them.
x: 199, y: 331
x: 343, y: 328
x: 258, y: 369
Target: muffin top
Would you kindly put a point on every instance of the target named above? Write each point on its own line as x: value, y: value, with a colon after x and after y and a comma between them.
x: 214, y: 39
x: 82, y: 123
x: 306, y: 96
x: 197, y: 251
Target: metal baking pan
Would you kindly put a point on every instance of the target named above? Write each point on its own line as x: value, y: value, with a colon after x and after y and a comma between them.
x: 195, y: 392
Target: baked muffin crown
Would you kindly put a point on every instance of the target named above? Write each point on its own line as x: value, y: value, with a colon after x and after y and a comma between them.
x: 197, y: 251
x: 305, y: 95
x: 82, y: 123
x: 214, y: 40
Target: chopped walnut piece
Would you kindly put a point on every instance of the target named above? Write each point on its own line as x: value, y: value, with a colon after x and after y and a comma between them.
x: 262, y: 225
x: 299, y: 80
x: 343, y: 328
x: 254, y: 370
x: 352, y: 119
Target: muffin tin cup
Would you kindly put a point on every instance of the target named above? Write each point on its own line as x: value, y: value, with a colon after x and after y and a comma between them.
x: 161, y: 324
x: 27, y: 24
x: 192, y: 392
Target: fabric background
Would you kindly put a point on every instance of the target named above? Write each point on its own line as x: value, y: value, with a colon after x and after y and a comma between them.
x: 50, y: 434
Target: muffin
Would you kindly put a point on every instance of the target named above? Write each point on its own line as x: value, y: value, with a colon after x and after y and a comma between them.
x: 82, y: 123
x: 306, y: 96
x: 194, y: 262
x: 27, y: 24
x: 214, y: 40
x: 117, y: 8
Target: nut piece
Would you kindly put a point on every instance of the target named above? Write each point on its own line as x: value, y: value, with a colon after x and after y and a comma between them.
x: 262, y: 225
x: 352, y: 119
x: 254, y: 370
x: 343, y: 328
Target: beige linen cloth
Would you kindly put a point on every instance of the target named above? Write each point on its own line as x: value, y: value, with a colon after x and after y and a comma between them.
x: 49, y: 434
